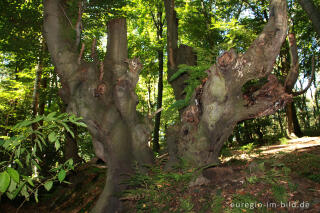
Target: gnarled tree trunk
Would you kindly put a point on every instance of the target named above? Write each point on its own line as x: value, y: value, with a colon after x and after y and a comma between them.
x: 103, y: 94
x: 218, y: 104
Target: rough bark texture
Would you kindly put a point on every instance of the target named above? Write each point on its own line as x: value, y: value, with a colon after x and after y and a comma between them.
x: 103, y: 94
x: 313, y: 13
x: 218, y: 104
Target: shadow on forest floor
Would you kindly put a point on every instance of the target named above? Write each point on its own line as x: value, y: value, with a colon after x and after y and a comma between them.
x: 275, y: 178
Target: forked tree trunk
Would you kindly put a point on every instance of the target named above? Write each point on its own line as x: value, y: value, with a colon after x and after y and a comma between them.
x: 218, y: 104
x: 103, y: 94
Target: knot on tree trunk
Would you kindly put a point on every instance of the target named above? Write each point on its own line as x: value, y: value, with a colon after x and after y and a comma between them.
x: 227, y: 59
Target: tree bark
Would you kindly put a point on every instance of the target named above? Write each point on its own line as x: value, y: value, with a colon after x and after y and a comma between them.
x: 218, y: 104
x: 103, y: 94
x: 313, y: 13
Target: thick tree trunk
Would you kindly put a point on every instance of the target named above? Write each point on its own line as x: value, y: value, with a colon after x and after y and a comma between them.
x: 313, y: 13
x: 218, y: 104
x: 103, y: 94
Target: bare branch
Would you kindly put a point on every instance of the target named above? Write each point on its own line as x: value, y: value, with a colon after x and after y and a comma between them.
x: 79, y: 24
x: 309, y: 83
x: 65, y: 14
x: 81, y: 53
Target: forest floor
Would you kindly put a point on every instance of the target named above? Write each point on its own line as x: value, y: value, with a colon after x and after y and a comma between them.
x: 275, y: 178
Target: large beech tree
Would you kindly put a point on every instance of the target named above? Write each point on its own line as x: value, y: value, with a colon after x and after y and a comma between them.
x: 102, y: 93
x: 218, y: 104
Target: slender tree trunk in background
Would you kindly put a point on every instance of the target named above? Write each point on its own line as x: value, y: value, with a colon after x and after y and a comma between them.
x: 156, y: 145
x: 305, y: 111
x: 43, y: 95
x: 37, y: 88
x: 103, y: 94
x: 159, y: 25
x: 280, y: 122
x: 218, y: 104
x: 313, y: 12
x: 293, y: 128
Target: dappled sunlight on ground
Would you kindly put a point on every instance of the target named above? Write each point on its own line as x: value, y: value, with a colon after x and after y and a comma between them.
x: 292, y: 145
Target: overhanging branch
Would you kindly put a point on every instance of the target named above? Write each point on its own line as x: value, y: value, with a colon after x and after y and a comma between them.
x: 259, y: 59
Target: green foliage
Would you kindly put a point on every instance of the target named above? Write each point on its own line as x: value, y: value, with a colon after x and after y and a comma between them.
x: 155, y: 190
x: 252, y: 179
x: 248, y: 148
x: 195, y: 76
x: 22, y: 154
x: 217, y: 203
x: 283, y: 141
x: 279, y: 193
x: 297, y: 162
x: 243, y: 202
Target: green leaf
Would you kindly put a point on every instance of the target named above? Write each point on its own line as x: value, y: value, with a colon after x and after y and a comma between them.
x: 50, y: 117
x: 28, y: 159
x: 57, y: 145
x: 48, y: 185
x: 62, y: 175
x: 4, y: 181
x: 14, y: 174
x: 36, y: 196
x: 12, y: 186
x: 52, y: 137
x: 1, y: 142
x: 29, y: 180
x: 13, y: 194
x: 67, y: 128
x: 18, y: 152
x: 39, y: 144
x: 18, y: 162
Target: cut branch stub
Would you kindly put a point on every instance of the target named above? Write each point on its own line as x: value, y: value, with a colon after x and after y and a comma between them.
x: 227, y: 60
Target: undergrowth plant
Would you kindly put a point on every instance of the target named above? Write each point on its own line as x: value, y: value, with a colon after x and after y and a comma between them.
x: 157, y: 189
x: 21, y: 162
x: 195, y: 76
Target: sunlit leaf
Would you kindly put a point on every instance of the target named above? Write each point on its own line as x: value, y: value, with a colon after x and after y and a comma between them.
x: 48, y: 185
x: 61, y: 175
x: 14, y: 174
x: 52, y: 137
x: 4, y: 181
